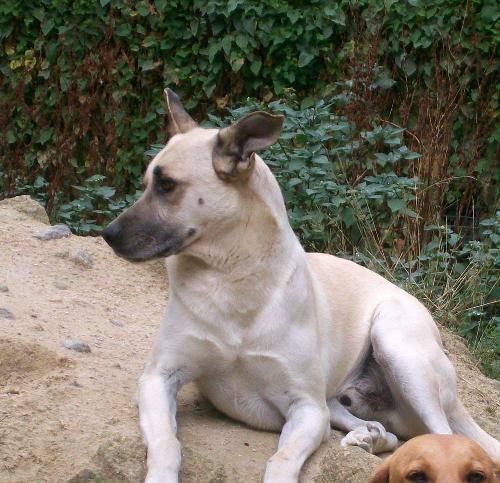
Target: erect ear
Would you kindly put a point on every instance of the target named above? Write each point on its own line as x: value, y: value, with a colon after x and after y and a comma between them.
x: 233, y: 156
x: 381, y: 473
x: 179, y: 120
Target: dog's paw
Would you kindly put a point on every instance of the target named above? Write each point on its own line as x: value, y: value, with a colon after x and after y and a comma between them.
x: 372, y: 437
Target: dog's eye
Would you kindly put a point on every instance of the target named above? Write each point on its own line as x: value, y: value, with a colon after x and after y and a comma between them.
x: 417, y: 477
x: 167, y: 185
x: 475, y: 477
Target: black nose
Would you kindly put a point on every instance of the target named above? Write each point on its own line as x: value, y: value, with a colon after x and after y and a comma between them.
x: 112, y: 233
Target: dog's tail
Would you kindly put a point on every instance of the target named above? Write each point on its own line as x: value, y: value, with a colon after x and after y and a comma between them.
x: 462, y: 423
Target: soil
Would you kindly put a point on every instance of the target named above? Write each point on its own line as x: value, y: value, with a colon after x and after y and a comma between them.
x: 72, y: 416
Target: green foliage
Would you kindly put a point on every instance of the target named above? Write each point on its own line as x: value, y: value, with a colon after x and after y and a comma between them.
x: 81, y: 97
x: 81, y: 82
x: 94, y: 207
x: 370, y: 217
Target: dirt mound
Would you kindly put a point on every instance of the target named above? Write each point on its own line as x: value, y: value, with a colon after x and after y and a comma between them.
x: 20, y: 362
x: 71, y: 416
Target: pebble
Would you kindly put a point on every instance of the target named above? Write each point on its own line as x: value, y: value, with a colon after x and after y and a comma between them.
x: 62, y: 254
x: 6, y: 314
x: 83, y: 258
x: 118, y: 323
x: 60, y: 285
x: 53, y: 232
x: 76, y: 345
x: 4, y: 288
x: 84, y: 476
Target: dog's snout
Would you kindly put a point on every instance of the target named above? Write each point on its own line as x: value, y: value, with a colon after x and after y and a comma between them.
x: 112, y: 233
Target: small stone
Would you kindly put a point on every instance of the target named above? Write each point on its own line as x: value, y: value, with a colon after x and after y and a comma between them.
x: 76, y: 384
x: 4, y: 289
x: 62, y: 254
x: 53, y: 232
x: 118, y: 323
x: 12, y: 390
x: 6, y: 314
x: 83, y: 258
x: 76, y: 345
x: 60, y: 285
x: 84, y: 476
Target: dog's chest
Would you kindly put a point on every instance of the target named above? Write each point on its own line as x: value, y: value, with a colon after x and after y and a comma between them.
x: 251, y: 386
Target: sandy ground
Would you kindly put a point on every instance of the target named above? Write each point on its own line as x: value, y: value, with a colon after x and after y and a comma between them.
x: 71, y: 416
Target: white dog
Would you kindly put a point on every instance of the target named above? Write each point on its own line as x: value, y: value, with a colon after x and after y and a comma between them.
x: 273, y: 337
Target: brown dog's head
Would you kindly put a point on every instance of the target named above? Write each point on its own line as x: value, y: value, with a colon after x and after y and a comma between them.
x: 434, y: 458
x: 193, y: 186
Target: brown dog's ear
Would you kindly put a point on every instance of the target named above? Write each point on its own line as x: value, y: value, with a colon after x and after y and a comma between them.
x: 179, y: 121
x: 381, y: 473
x: 233, y: 156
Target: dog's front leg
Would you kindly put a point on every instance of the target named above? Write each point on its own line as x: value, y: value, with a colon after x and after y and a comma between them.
x: 306, y: 427
x: 157, y: 407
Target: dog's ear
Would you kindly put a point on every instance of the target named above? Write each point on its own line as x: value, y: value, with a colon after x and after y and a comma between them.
x: 233, y: 156
x: 381, y: 473
x: 179, y: 121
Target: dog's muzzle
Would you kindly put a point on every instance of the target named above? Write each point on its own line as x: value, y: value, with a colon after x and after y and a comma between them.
x: 138, y: 243
x: 112, y: 233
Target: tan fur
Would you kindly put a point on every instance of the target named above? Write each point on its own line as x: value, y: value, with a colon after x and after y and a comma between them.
x: 274, y: 337
x: 437, y: 459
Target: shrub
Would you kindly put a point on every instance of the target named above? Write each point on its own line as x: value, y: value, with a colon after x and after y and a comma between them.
x: 80, y: 92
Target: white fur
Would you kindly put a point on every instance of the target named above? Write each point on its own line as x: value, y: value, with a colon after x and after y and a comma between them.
x: 271, y: 334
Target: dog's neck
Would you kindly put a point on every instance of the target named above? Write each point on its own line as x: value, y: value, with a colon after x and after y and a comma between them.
x: 261, y: 232
x: 250, y: 257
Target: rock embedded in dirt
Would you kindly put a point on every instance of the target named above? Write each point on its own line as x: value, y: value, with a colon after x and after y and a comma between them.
x: 6, y: 314
x: 84, y: 258
x: 53, y: 232
x: 62, y: 254
x: 76, y: 345
x: 84, y: 476
x: 4, y: 289
x: 24, y: 204
x: 118, y: 323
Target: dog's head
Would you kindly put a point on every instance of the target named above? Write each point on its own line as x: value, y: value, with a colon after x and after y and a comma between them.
x: 193, y: 188
x: 437, y: 458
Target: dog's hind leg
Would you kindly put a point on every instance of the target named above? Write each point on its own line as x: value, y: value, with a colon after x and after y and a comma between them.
x: 406, y: 346
x: 462, y: 423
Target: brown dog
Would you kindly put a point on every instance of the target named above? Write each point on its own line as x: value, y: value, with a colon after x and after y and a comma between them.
x: 437, y: 458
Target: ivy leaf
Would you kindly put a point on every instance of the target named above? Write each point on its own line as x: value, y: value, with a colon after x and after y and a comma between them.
x: 146, y: 65
x: 255, y: 66
x: 47, y: 26
x: 305, y: 58
x: 237, y: 63
x: 226, y: 44
x: 242, y: 41
x: 213, y: 48
x: 396, y: 204
x: 45, y: 135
